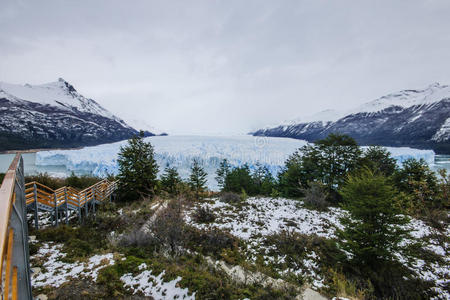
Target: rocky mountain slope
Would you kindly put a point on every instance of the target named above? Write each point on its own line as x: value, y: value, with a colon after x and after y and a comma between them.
x: 55, y: 115
x: 413, y: 118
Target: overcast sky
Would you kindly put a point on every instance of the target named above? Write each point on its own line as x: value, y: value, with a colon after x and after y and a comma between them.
x: 207, y: 67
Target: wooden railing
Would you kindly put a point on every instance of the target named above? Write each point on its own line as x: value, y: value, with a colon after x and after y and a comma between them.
x: 14, y: 254
x: 62, y: 200
x: 16, y: 198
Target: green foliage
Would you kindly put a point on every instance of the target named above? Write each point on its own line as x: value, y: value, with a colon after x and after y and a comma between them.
x: 263, y: 180
x: 137, y: 170
x: 222, y: 172
x: 316, y: 196
x: 373, y: 228
x: 327, y: 161
x: 258, y: 182
x: 417, y: 179
x: 238, y: 179
x: 170, y: 180
x: 47, y: 180
x: 197, y: 179
x: 378, y: 159
x: 79, y: 242
x: 81, y: 182
x: 78, y: 182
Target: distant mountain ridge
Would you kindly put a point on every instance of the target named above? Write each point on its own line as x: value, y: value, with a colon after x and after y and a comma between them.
x: 413, y: 118
x: 55, y: 115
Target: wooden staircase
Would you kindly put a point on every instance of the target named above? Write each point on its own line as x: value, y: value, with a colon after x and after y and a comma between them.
x: 65, y: 199
x: 18, y: 198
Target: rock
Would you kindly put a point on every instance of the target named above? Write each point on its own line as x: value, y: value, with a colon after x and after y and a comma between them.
x: 309, y: 294
x: 36, y: 270
x: 32, y: 238
x: 41, y: 297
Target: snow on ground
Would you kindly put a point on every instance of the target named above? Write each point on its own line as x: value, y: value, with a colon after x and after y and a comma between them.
x: 154, y: 286
x: 262, y: 217
x: 266, y: 216
x: 179, y: 151
x: 54, y: 272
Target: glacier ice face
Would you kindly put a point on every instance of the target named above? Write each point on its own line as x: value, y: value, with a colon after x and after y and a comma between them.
x: 179, y: 151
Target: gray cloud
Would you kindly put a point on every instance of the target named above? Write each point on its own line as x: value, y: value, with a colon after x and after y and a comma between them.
x: 226, y: 66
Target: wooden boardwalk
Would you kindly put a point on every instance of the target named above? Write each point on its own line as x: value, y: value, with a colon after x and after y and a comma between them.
x: 16, y: 200
x: 65, y: 199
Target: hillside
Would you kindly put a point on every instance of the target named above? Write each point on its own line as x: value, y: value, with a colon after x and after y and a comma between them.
x: 55, y: 115
x: 413, y: 118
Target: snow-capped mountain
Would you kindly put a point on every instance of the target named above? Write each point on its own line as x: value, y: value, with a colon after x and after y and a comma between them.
x: 55, y: 115
x: 414, y: 118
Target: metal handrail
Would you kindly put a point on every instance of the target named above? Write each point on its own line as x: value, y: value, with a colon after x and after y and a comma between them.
x: 14, y: 255
x: 15, y: 198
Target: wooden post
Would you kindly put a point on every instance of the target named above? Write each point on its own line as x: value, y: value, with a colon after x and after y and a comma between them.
x: 36, y: 208
x: 86, y: 205
x: 67, y: 208
x: 79, y: 208
x: 56, y: 210
x: 93, y: 198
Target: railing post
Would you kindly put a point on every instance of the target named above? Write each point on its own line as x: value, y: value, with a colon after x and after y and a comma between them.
x: 86, y: 210
x: 67, y: 208
x: 36, y: 208
x: 93, y: 198
x: 79, y: 208
x: 56, y: 209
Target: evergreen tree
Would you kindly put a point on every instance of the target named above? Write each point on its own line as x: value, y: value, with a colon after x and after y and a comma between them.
x: 379, y: 159
x: 222, y: 172
x: 240, y: 179
x: 170, y: 180
x: 339, y: 155
x: 416, y: 178
x: 328, y: 161
x: 263, y: 180
x: 373, y: 229
x: 197, y: 179
x: 137, y: 169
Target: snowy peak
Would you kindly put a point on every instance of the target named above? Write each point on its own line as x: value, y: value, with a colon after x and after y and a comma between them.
x: 59, y: 94
x: 414, y: 118
x: 53, y: 115
x: 407, y: 98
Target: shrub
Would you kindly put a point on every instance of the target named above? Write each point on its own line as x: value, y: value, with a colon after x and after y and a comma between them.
x: 316, y: 196
x: 204, y: 215
x: 168, y: 226
x: 81, y: 182
x: 210, y: 242
x: 47, y: 180
x: 230, y: 198
x: 137, y: 238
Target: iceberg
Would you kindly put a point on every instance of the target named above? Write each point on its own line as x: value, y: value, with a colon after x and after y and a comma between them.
x: 179, y: 151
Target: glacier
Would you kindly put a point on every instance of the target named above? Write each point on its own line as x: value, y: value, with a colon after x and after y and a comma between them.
x: 179, y: 151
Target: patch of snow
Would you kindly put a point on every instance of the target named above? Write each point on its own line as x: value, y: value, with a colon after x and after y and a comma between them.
x: 55, y: 272
x: 262, y: 217
x: 154, y: 286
